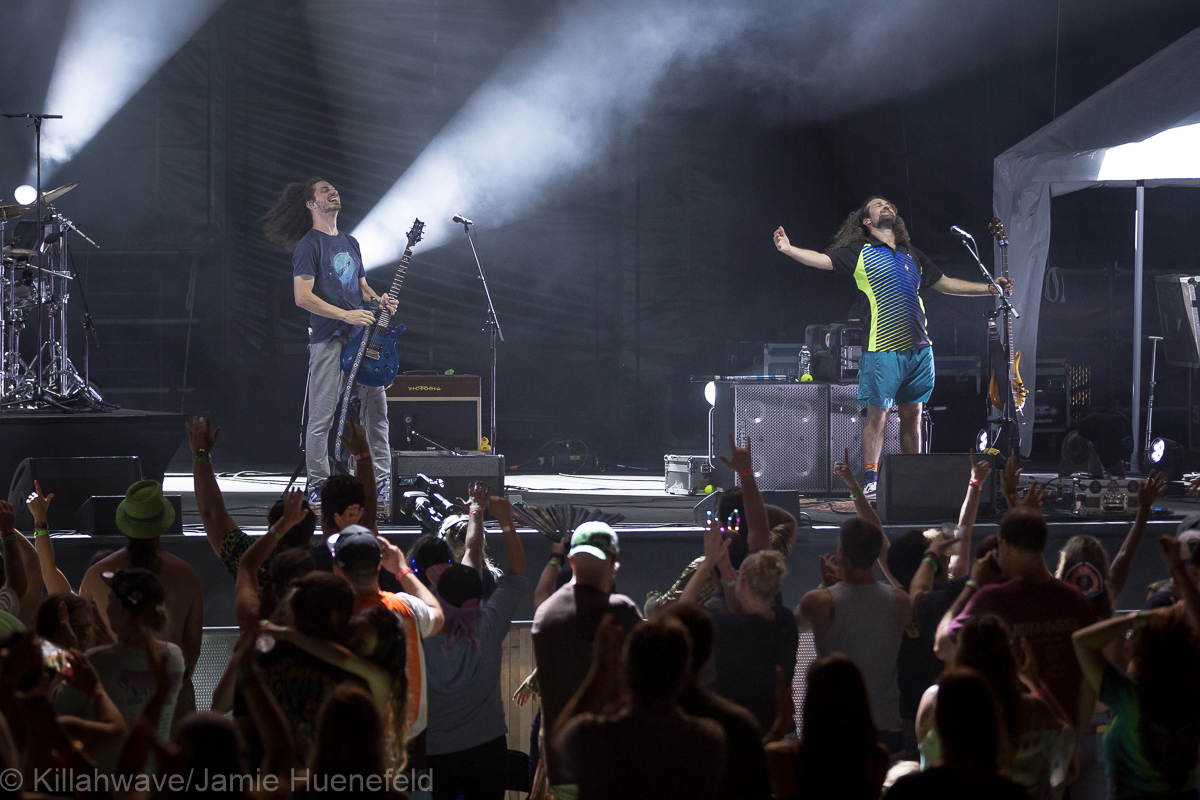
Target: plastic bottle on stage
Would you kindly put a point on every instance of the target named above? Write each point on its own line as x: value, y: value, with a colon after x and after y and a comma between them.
x: 805, y: 364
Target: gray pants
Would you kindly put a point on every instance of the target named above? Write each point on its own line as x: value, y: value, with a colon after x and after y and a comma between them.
x: 326, y: 382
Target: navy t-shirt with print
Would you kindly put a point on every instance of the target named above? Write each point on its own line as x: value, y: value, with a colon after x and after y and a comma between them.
x: 335, y: 264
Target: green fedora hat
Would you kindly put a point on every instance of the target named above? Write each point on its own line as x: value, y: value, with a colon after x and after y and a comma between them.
x: 145, y: 513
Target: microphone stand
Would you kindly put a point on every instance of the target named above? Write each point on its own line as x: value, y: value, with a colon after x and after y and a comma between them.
x: 494, y: 332
x: 1008, y: 418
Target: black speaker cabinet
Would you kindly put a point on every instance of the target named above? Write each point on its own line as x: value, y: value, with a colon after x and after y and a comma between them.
x: 458, y: 472
x: 98, y: 515
x: 928, y: 487
x: 72, y: 481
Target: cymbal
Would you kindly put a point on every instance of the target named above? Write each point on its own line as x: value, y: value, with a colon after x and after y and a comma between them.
x: 15, y: 210
x: 19, y: 251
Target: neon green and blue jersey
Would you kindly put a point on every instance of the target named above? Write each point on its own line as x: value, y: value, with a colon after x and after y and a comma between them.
x: 889, y: 286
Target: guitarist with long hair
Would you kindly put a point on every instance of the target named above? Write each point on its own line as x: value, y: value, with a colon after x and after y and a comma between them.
x: 874, y: 248
x: 329, y: 282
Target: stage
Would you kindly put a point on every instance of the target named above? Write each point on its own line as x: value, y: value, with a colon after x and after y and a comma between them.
x: 658, y: 536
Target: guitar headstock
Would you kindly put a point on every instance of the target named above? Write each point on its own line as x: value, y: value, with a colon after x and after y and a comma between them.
x: 416, y: 232
x: 997, y: 229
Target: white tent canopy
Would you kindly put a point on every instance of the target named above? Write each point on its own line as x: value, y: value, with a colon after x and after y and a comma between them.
x: 1141, y: 130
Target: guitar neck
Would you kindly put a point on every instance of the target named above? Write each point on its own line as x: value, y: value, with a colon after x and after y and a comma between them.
x: 397, y: 281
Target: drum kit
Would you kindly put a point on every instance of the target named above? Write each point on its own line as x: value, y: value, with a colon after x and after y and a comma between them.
x: 36, y: 279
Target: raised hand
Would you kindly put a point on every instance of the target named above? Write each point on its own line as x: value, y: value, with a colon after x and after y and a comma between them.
x: 65, y: 632
x: 201, y: 437
x: 1010, y: 479
x: 1172, y: 553
x: 781, y: 240
x: 8, y: 517
x: 985, y: 570
x: 831, y: 573
x: 843, y: 470
x: 1151, y: 489
x: 83, y: 675
x: 942, y: 543
x: 478, y: 495
x: 716, y: 546
x: 1033, y: 498
x: 981, y: 468
x: 355, y: 438
x: 39, y: 506
x: 393, y: 556
x: 294, y: 511
x: 1193, y: 489
x: 500, y: 508
x: 350, y: 516
x: 739, y: 459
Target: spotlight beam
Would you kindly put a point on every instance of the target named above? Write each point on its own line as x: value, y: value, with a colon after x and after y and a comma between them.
x: 109, y: 49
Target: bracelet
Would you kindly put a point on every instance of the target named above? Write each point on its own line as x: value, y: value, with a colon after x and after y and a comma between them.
x: 555, y: 562
x: 973, y: 482
x: 9, y: 537
x: 278, y: 536
x: 404, y: 571
x: 201, y: 460
x: 822, y: 585
x: 746, y: 473
x: 857, y: 495
x: 970, y: 584
x: 728, y: 583
x: 42, y: 532
x: 366, y: 454
x: 937, y: 566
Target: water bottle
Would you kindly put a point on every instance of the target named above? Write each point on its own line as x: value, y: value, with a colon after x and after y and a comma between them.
x: 805, y: 364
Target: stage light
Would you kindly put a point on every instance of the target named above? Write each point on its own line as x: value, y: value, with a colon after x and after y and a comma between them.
x: 25, y: 194
x: 1168, y: 457
x: 710, y: 392
x: 1174, y: 153
x: 983, y: 441
x: 109, y: 49
x: 1158, y: 449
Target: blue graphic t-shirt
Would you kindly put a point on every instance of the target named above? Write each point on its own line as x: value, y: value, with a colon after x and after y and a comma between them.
x: 335, y: 263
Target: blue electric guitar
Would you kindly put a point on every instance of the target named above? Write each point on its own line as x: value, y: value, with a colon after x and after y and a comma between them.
x: 370, y: 358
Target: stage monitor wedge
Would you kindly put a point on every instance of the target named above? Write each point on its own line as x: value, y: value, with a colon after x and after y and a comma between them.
x: 928, y: 488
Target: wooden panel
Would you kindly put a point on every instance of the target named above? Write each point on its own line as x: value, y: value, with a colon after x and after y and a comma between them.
x: 515, y: 665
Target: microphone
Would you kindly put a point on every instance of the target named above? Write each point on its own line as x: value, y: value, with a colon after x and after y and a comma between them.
x: 961, y: 232
x: 461, y: 220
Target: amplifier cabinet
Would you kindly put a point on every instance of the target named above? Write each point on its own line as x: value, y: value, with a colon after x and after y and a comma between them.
x: 445, y: 409
x: 845, y: 430
x: 928, y: 487
x: 788, y: 428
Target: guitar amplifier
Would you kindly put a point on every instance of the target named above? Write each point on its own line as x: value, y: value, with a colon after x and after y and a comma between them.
x: 429, y: 412
x: 788, y: 426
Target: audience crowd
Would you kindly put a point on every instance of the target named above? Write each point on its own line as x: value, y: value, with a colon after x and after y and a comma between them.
x: 970, y: 670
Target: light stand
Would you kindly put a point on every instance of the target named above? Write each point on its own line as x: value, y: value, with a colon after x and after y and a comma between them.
x: 493, y: 328
x: 1008, y: 419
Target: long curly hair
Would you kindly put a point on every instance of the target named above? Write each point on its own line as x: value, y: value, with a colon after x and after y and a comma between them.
x: 289, y: 219
x: 854, y: 232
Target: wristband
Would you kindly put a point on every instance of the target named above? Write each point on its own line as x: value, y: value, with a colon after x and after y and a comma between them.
x: 554, y: 560
x: 728, y: 583
x: 404, y: 571
x: 509, y: 528
x: 746, y: 473
x: 973, y: 482
x: 970, y: 584
x: 42, y: 532
x: 366, y: 454
x: 278, y: 536
x: 201, y: 460
x: 857, y: 495
x: 9, y: 537
x: 822, y: 585
x: 933, y: 562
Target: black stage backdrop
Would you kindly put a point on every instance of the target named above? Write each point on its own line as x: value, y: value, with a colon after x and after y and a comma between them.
x: 652, y: 265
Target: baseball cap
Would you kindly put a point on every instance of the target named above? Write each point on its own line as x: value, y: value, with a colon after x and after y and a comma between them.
x: 597, y: 539
x: 354, y: 547
x: 136, y: 588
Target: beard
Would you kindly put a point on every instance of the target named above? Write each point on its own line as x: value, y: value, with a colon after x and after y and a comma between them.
x: 886, y: 221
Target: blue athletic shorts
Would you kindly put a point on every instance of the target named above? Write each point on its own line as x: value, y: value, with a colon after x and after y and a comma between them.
x: 888, y: 377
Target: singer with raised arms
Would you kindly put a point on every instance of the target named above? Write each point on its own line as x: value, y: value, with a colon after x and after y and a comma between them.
x: 329, y: 282
x: 896, y: 368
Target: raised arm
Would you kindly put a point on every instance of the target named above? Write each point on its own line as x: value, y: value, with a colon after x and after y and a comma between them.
x: 716, y: 550
x: 809, y: 258
x: 980, y: 469
x: 1148, y: 491
x: 476, y: 506
x: 1009, y: 480
x: 209, y: 501
x: 983, y: 572
x: 549, y: 577
x: 862, y: 507
x: 245, y: 590
x: 1090, y: 642
x: 934, y: 556
x: 14, y: 564
x: 39, y: 505
x: 101, y: 735
x: 514, y: 551
x: 393, y: 561
x: 758, y: 528
x: 1169, y: 547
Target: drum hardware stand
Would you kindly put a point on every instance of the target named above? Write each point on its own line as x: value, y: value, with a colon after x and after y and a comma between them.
x: 1150, y: 399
